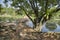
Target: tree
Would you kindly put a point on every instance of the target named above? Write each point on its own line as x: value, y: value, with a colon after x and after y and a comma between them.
x: 41, y: 10
x: 1, y: 8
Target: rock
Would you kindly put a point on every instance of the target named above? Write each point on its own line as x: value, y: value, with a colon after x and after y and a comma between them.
x: 25, y: 22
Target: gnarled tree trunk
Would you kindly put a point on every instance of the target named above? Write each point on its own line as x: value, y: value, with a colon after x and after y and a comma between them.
x: 38, y: 27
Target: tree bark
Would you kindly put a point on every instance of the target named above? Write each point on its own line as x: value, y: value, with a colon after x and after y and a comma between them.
x: 38, y: 27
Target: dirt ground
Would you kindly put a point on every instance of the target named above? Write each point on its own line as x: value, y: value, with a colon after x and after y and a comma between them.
x: 16, y: 35
x: 21, y: 32
x: 30, y: 36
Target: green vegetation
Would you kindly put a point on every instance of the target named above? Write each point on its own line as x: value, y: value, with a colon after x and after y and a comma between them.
x: 38, y: 11
x: 10, y: 15
x: 32, y: 7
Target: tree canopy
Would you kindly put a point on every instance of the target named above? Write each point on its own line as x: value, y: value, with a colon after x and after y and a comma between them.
x: 38, y: 11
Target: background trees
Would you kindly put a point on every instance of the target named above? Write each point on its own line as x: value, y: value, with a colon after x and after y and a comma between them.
x: 1, y: 8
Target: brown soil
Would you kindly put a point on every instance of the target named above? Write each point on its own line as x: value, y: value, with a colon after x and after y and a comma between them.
x: 26, y: 33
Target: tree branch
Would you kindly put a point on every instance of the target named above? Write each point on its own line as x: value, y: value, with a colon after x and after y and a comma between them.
x: 34, y: 7
x: 27, y: 15
x: 41, y: 18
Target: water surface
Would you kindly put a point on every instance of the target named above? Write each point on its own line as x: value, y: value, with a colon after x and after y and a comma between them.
x: 57, y: 29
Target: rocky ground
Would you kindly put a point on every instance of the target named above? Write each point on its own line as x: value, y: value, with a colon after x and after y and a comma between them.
x: 12, y: 31
x: 29, y: 36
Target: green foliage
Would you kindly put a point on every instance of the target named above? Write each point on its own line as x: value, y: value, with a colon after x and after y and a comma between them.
x: 9, y: 18
x: 1, y: 8
x: 10, y: 15
x: 38, y: 11
x: 10, y: 11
